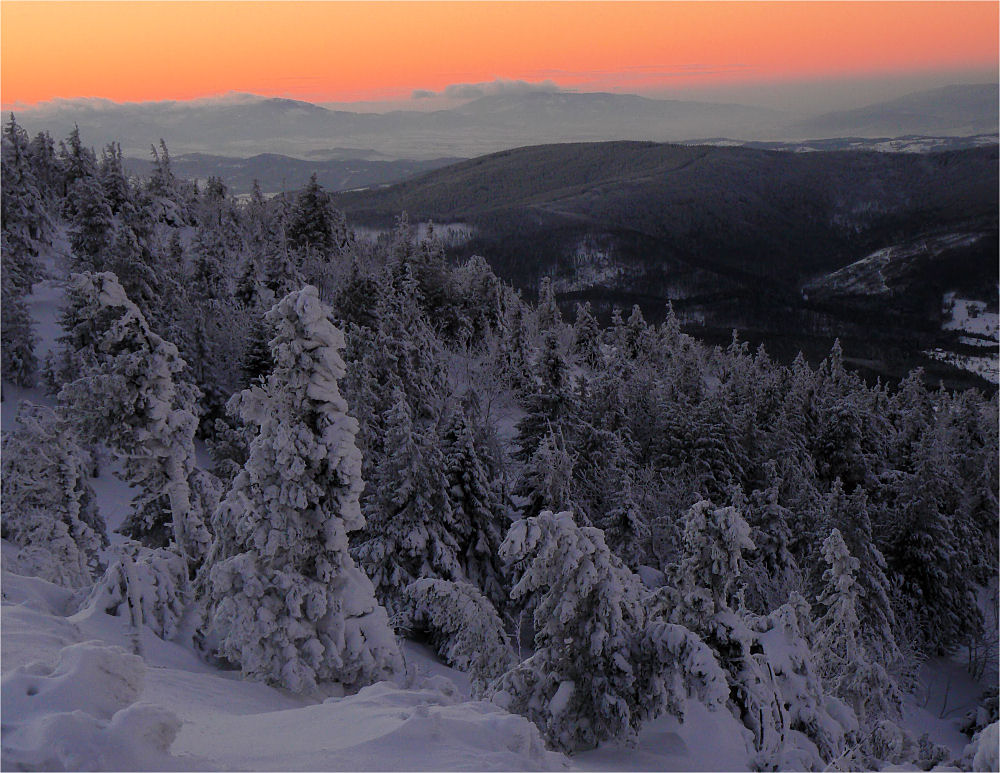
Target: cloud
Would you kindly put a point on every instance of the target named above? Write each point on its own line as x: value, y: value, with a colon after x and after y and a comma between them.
x: 500, y: 86
x: 637, y: 72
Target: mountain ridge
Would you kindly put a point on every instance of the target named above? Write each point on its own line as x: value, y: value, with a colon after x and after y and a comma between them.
x: 244, y: 125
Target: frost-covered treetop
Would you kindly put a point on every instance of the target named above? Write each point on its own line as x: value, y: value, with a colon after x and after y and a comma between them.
x: 843, y: 565
x: 715, y: 538
x: 302, y: 413
x: 130, y: 332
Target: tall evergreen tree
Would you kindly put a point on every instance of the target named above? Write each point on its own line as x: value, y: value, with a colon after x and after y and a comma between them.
x: 131, y: 399
x: 284, y: 599
x: 845, y: 665
x: 550, y: 401
x: 587, y: 337
x: 479, y: 504
x: 412, y: 530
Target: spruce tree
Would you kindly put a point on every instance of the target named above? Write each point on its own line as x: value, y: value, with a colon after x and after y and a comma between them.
x: 549, y: 403
x: 844, y: 662
x: 578, y: 686
x: 547, y: 313
x: 284, y: 599
x: 412, y: 530
x: 50, y: 511
x: 849, y: 515
x: 17, y: 335
x: 587, y: 337
x: 546, y: 481
x: 131, y: 399
x: 600, y: 667
x: 479, y: 504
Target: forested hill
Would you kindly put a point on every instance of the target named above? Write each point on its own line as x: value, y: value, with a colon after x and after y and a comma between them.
x: 791, y: 213
x: 731, y: 235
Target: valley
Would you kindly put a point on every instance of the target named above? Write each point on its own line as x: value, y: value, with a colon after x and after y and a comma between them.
x: 792, y: 249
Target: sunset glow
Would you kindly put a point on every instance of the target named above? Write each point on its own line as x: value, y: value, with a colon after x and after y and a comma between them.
x: 131, y: 51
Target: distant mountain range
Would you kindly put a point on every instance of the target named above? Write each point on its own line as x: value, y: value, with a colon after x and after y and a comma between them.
x: 277, y: 173
x: 248, y: 125
x: 951, y: 110
x: 736, y: 237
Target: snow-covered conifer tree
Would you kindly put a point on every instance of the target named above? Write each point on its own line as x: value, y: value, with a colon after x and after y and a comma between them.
x: 547, y: 312
x: 131, y: 400
x: 549, y: 401
x: 76, y: 160
x: 284, y: 599
x: 599, y: 667
x: 846, y: 666
x: 578, y: 686
x: 92, y: 229
x: 546, y: 480
x: 48, y: 504
x: 464, y: 626
x: 925, y: 549
x: 587, y: 337
x: 765, y: 677
x: 479, y: 505
x: 849, y: 515
x: 412, y: 530
x: 17, y: 335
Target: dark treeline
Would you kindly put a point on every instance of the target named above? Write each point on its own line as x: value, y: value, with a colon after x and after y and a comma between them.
x: 386, y: 424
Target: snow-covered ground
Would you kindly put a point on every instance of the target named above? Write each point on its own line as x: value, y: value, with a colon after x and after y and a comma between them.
x: 222, y: 721
x: 970, y: 317
x: 71, y: 699
x: 985, y: 366
x: 982, y: 329
x: 593, y: 265
x: 867, y: 276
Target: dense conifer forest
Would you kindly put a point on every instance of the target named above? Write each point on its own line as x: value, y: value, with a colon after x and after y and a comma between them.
x: 338, y: 442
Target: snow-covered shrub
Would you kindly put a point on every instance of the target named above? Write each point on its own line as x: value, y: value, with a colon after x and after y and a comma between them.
x: 147, y: 585
x: 464, y: 627
x: 284, y: 600
x: 822, y: 719
x: 985, y: 713
x: 81, y: 714
x: 48, y: 505
x: 888, y: 742
x: 930, y: 754
x: 672, y: 664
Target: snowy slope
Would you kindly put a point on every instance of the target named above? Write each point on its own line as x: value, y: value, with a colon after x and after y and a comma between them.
x: 982, y: 330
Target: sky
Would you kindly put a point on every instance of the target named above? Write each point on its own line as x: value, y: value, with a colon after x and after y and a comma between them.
x: 411, y: 52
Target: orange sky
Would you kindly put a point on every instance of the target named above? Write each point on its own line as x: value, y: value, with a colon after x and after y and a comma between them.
x: 132, y: 51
